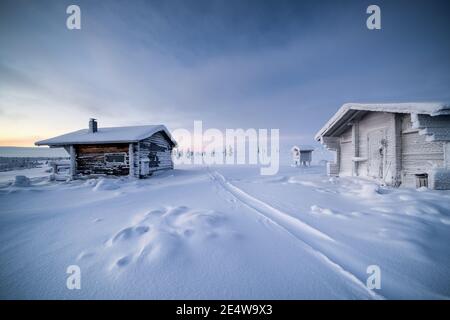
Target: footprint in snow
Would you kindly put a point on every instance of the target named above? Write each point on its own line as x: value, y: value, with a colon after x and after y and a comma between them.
x: 188, y: 232
x: 124, y: 261
x: 178, y: 210
x: 168, y: 233
x: 315, y: 209
x: 85, y: 255
x: 128, y: 233
x: 157, y: 212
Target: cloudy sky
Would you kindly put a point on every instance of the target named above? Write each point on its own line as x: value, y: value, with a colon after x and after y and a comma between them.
x: 231, y: 63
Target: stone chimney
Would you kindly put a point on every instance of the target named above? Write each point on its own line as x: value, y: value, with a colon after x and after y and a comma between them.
x: 92, y: 125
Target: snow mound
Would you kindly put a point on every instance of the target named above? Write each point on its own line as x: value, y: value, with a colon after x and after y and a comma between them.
x: 361, y: 188
x: 22, y: 181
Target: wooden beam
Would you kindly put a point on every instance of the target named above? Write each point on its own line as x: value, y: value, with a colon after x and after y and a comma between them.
x: 139, y: 159
x: 355, y: 144
x: 333, y: 144
x: 131, y: 159
x: 73, y: 161
x: 397, y: 147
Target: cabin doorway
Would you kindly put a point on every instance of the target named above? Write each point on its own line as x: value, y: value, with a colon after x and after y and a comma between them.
x: 376, y: 143
x: 346, y: 158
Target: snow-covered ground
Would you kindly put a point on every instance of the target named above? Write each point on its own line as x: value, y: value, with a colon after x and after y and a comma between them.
x: 7, y: 176
x: 223, y: 233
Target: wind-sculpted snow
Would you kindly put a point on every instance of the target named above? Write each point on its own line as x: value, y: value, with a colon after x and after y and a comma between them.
x: 160, y: 234
x: 222, y: 233
x: 296, y: 227
x: 276, y: 215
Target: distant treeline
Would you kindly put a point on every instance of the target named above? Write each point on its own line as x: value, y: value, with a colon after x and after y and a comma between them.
x: 17, y: 163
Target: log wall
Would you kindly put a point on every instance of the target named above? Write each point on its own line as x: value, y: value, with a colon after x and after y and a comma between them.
x: 90, y: 159
x: 418, y: 155
x: 154, y: 153
x: 149, y: 155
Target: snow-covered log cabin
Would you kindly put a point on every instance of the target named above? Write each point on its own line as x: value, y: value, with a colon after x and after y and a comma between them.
x: 136, y: 151
x: 402, y: 144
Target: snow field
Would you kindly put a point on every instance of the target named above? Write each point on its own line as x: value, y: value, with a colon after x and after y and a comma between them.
x: 223, y: 233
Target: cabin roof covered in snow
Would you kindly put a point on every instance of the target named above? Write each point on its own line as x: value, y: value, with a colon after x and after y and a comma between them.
x: 429, y: 108
x: 303, y: 147
x: 107, y: 135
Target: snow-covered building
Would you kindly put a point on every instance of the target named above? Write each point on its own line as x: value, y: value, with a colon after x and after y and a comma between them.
x: 405, y: 144
x: 137, y: 151
x: 302, y: 155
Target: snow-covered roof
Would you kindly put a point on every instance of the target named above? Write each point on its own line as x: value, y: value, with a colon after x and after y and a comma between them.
x: 107, y: 135
x: 429, y: 108
x: 303, y: 147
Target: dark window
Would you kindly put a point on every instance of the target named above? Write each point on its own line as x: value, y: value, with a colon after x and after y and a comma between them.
x: 115, y: 158
x: 421, y: 180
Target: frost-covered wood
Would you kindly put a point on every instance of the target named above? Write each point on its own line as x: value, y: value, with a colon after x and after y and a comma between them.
x: 332, y: 144
x: 346, y: 153
x: 397, y: 148
x: 355, y: 146
x: 155, y: 153
x: 73, y: 164
x: 425, y: 108
x: 305, y: 157
x: 131, y: 160
x: 135, y: 151
x: 434, y: 128
x: 90, y: 159
x: 418, y: 155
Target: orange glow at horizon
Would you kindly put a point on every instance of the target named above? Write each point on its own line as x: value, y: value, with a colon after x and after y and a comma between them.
x: 19, y: 142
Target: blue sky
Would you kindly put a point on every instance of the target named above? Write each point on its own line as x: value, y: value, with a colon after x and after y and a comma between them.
x: 233, y: 64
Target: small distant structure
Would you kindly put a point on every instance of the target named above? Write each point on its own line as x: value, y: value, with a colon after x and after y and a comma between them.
x: 397, y: 144
x: 302, y: 155
x: 136, y: 151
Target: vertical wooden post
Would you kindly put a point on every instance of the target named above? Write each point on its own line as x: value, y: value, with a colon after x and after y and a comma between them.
x: 131, y: 159
x: 355, y: 143
x: 73, y: 161
x: 333, y: 144
x: 139, y: 159
x: 447, y: 155
x: 397, y: 147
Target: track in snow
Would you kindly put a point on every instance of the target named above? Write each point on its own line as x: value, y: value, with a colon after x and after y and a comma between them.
x: 295, y: 227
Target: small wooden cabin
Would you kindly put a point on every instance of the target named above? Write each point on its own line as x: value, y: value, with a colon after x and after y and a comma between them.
x: 136, y: 151
x: 405, y: 144
x: 302, y: 155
